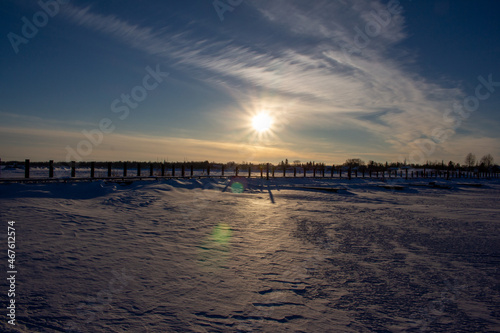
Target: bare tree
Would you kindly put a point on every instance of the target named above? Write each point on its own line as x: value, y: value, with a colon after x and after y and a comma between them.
x: 470, y: 160
x: 487, y: 161
x: 354, y: 162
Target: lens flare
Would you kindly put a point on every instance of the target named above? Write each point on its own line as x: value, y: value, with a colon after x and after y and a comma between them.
x: 214, y: 251
x: 237, y: 187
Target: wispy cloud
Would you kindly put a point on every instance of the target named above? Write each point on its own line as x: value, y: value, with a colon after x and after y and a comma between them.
x: 39, y: 121
x: 134, y: 146
x: 371, y: 89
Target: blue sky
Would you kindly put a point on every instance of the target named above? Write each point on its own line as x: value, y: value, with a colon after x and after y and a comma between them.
x: 389, y: 80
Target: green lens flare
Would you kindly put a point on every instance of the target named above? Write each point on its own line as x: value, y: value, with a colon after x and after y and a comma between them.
x: 214, y: 251
x: 237, y: 187
x: 221, y: 233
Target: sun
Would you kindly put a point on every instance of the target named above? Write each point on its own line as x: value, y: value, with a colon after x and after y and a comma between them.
x: 262, y: 122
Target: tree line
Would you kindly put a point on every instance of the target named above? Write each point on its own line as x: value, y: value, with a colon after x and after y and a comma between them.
x: 486, y: 162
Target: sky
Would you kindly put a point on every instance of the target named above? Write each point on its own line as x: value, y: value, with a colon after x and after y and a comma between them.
x: 158, y: 80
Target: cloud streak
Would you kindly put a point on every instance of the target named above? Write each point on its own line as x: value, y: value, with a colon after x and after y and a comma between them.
x: 141, y: 147
x: 370, y: 89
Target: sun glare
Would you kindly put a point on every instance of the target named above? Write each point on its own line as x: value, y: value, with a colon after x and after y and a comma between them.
x: 262, y: 122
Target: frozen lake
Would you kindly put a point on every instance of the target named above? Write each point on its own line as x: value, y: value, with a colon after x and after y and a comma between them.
x: 198, y: 256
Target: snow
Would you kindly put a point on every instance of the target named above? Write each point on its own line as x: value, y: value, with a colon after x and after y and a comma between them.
x: 195, y: 255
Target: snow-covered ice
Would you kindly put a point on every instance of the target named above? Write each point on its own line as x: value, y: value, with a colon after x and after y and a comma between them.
x: 198, y: 256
